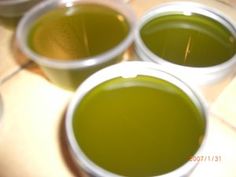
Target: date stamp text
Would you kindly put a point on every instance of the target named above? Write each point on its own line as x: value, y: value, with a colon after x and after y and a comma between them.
x: 206, y: 158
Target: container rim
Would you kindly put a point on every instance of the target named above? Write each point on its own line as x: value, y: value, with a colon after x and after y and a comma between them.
x: 45, y: 6
x: 123, y: 70
x: 184, y: 7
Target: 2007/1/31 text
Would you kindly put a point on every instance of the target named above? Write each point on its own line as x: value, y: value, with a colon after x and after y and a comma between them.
x: 206, y: 158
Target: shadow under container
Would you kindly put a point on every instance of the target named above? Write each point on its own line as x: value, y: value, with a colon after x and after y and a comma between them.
x: 16, y: 8
x: 70, y: 73
x: 195, y: 41
x: 120, y: 123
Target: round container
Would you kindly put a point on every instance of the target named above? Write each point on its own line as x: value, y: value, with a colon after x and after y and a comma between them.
x: 71, y: 72
x: 126, y: 119
x: 15, y: 8
x: 197, y: 33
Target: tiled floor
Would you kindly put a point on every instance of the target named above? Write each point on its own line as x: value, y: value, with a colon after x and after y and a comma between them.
x: 11, y: 60
x: 225, y: 105
x: 32, y: 140
x: 30, y: 127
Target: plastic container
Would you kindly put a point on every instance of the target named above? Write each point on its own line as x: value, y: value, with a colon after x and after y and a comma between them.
x: 69, y: 74
x: 207, y: 76
x: 122, y: 72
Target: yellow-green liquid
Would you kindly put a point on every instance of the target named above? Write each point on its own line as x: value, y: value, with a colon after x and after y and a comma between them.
x: 76, y: 32
x: 138, y: 127
x: 189, y: 40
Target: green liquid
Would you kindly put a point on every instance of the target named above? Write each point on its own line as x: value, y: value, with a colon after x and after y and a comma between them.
x: 190, y: 40
x: 138, y: 127
x: 80, y: 31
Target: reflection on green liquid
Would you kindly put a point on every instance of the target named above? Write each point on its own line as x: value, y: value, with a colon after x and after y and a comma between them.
x: 190, y: 40
x: 80, y: 31
x: 138, y: 127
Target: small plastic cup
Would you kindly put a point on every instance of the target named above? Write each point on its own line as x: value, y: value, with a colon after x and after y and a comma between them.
x: 124, y: 127
x: 176, y: 49
x: 70, y: 73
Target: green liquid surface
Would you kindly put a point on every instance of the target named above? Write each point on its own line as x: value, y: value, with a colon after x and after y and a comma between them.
x: 190, y: 40
x: 138, y: 127
x: 80, y: 31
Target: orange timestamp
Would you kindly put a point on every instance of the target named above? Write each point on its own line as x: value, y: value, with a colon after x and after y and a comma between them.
x: 206, y: 158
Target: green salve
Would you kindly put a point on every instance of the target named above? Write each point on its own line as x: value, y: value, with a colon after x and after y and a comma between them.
x: 190, y: 40
x: 138, y: 127
x: 80, y: 31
